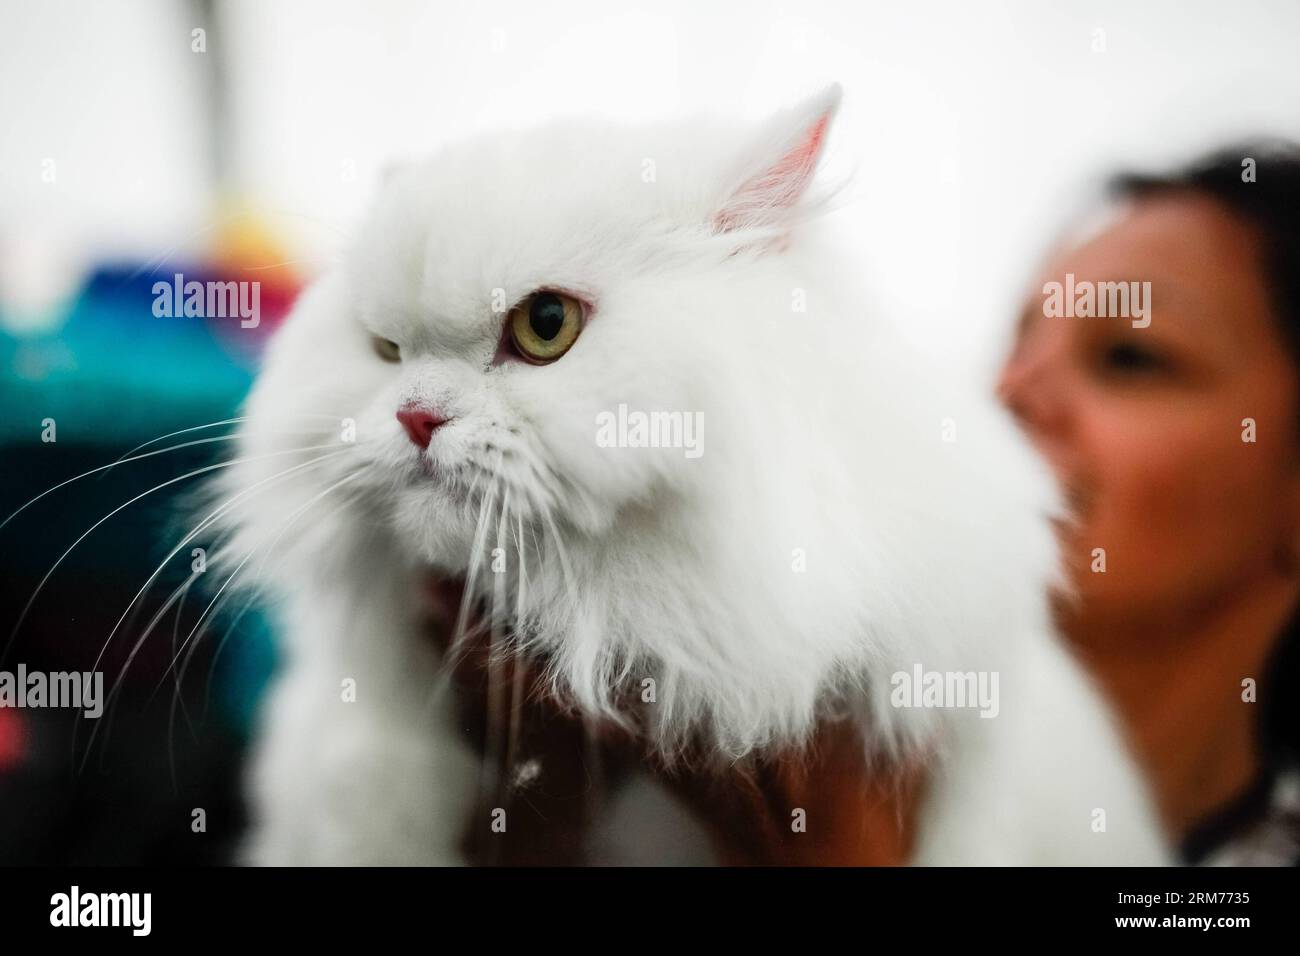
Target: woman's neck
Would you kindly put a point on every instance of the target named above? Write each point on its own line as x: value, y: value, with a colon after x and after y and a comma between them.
x: 1178, y: 686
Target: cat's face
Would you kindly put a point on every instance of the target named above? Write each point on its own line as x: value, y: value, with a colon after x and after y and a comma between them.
x: 509, y: 292
x: 506, y: 313
x: 504, y: 298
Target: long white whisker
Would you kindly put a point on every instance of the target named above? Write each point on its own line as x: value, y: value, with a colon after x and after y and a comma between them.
x: 518, y: 668
x: 179, y: 591
x: 214, y: 515
x: 210, y: 614
x: 457, y: 646
x: 171, y: 481
x: 211, y: 517
x: 183, y: 431
x: 494, y: 728
x: 176, y: 629
x: 475, y: 560
x: 86, y: 474
x: 234, y: 622
x: 289, y: 522
x: 565, y: 567
x: 198, y: 428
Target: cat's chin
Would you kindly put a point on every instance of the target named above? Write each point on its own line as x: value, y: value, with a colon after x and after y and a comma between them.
x: 435, y: 530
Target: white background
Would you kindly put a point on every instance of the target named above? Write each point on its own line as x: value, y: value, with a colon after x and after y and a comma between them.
x: 973, y: 127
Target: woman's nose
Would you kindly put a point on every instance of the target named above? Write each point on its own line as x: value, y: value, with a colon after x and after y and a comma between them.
x: 1034, y: 386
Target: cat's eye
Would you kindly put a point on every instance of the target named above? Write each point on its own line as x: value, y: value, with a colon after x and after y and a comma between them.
x: 544, y: 326
x: 386, y: 349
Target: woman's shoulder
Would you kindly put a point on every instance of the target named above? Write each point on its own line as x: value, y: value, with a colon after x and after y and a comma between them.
x: 1264, y: 831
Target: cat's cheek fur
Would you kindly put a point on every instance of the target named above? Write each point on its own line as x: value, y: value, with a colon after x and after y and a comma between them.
x: 654, y: 349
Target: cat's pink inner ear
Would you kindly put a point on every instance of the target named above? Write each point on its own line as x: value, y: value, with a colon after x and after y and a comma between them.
x: 779, y: 186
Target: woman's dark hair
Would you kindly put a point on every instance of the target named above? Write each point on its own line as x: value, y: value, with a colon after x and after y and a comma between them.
x: 1258, y: 181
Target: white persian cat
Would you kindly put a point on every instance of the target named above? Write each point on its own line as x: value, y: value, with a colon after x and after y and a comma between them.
x: 812, y: 531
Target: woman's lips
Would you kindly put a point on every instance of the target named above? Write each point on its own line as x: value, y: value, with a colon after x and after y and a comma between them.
x: 1070, y: 525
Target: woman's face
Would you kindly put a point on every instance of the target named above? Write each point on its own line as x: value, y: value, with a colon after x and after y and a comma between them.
x: 1143, y: 426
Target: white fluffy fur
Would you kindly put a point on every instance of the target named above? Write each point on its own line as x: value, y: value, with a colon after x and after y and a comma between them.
x: 822, y: 433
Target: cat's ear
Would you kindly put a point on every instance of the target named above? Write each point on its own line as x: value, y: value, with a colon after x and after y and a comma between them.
x: 778, y: 165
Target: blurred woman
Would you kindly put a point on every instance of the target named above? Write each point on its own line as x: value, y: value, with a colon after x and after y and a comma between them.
x: 1176, y: 436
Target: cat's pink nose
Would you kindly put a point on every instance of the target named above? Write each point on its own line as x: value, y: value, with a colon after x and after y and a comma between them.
x: 420, y: 422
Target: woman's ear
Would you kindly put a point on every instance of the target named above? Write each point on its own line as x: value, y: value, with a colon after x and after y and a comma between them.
x: 778, y: 165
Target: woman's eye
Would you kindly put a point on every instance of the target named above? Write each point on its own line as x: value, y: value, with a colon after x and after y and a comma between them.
x: 544, y: 326
x: 1128, y: 358
x: 386, y: 349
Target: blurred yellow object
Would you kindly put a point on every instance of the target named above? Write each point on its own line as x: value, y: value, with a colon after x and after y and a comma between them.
x: 247, y: 246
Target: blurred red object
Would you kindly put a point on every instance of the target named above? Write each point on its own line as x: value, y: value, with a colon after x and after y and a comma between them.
x: 12, y: 739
